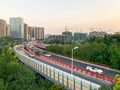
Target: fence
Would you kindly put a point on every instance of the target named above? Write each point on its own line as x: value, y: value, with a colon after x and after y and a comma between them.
x: 71, y: 82
x: 75, y: 68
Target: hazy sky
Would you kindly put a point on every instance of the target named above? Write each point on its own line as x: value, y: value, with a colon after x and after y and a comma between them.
x: 54, y: 15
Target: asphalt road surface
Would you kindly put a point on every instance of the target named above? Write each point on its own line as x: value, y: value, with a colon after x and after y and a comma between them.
x: 83, y: 76
x: 106, y: 71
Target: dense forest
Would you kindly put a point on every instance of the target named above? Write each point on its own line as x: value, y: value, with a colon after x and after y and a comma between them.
x: 14, y: 75
x: 100, y: 50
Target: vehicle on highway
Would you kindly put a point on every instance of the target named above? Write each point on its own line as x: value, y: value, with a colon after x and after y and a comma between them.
x: 31, y: 55
x: 94, y: 69
x: 48, y: 55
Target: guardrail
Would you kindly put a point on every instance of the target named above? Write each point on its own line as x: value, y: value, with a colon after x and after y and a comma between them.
x: 76, y: 68
x: 71, y: 82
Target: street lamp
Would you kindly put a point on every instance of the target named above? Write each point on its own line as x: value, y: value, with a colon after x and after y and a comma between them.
x: 72, y: 59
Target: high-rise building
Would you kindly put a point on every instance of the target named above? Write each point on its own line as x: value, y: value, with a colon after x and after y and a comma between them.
x: 61, y: 38
x: 25, y: 32
x: 30, y: 33
x: 17, y: 28
x: 36, y: 33
x: 96, y: 34
x: 41, y: 33
x: 67, y: 33
x: 7, y: 30
x: 117, y: 32
x: 80, y: 36
x: 4, y: 28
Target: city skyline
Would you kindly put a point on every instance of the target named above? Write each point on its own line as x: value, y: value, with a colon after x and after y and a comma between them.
x: 54, y: 15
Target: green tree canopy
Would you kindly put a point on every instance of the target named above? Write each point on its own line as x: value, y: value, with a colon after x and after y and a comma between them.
x: 57, y: 87
x: 15, y: 75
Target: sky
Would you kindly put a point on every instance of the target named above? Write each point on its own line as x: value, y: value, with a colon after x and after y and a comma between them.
x: 55, y: 15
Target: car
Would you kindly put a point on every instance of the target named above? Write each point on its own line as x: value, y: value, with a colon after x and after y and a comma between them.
x: 93, y: 69
x: 31, y: 55
x: 48, y: 55
x: 31, y: 47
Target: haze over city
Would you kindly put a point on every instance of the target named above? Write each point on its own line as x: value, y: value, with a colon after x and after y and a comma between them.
x: 55, y: 15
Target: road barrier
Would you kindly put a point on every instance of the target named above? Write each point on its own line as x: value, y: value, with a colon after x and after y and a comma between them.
x: 76, y: 68
x: 71, y: 82
x: 43, y: 46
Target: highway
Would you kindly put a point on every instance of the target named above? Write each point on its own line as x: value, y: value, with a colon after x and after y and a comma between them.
x: 99, y: 81
x: 106, y: 71
x: 84, y: 76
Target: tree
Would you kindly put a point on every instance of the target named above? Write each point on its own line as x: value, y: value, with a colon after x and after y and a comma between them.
x: 117, y: 77
x: 37, y: 52
x: 104, y: 88
x: 2, y: 85
x: 117, y: 84
x: 115, y: 56
x: 15, y: 75
x: 57, y: 87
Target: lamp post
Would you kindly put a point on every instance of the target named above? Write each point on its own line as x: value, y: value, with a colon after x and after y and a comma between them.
x: 72, y: 59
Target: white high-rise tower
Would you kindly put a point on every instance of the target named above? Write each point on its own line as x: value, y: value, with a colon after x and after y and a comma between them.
x: 16, y: 27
